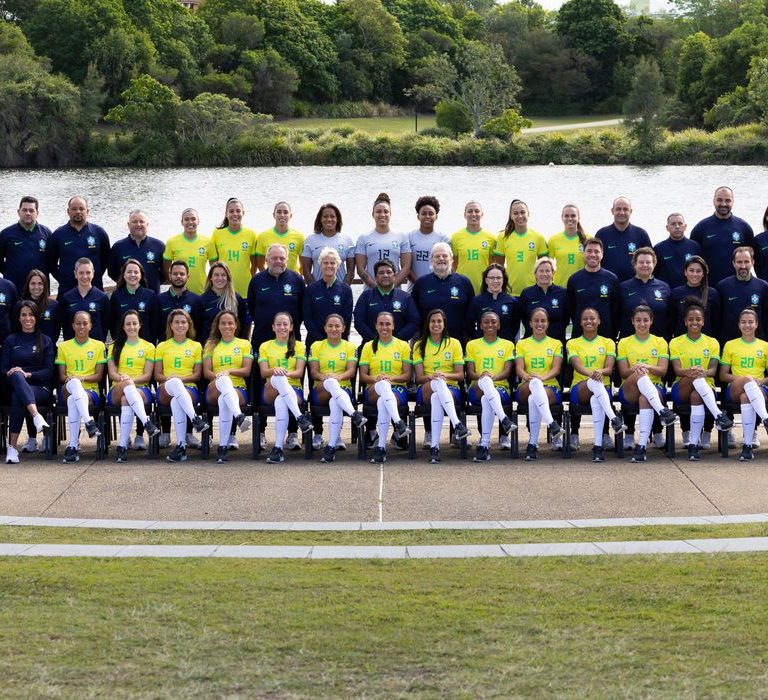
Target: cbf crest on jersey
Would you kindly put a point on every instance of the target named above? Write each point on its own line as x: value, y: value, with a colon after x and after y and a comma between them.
x: 705, y: 352
x: 89, y: 354
x: 500, y: 353
x: 759, y: 353
x: 2, y: 298
x: 187, y: 353
x: 92, y: 306
x: 397, y: 355
x: 42, y: 244
x: 604, y: 290
x: 396, y: 305
x: 336, y: 299
x: 654, y: 352
x: 150, y: 256
x: 140, y: 353
x: 736, y: 237
x: 454, y: 292
x: 446, y: 355
x: 484, y: 244
x: 631, y: 247
x: 555, y: 303
x: 342, y: 356
x: 550, y: 352
x: 201, y: 250
x: 91, y: 241
x: 531, y: 246
x: 187, y: 308
x: 755, y: 299
x: 504, y: 308
x: 244, y: 245
x: 236, y: 351
x: 657, y: 294
x: 287, y: 288
x: 601, y: 350
x: 142, y: 306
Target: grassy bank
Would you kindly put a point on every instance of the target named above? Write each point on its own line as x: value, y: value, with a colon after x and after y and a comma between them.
x: 664, y: 626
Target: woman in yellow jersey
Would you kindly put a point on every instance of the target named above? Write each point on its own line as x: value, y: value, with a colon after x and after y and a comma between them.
x: 227, y: 363
x: 643, y: 361
x: 518, y: 247
x: 472, y: 246
x: 489, y: 366
x: 332, y: 366
x: 538, y: 364
x: 695, y: 359
x: 178, y: 370
x: 567, y: 247
x: 438, y: 362
x: 281, y: 233
x: 385, y: 369
x: 81, y: 363
x: 743, y: 367
x: 191, y: 247
x: 592, y: 358
x: 281, y: 363
x: 235, y: 245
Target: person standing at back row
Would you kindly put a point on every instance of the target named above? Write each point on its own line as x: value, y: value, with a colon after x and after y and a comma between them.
x: 23, y: 244
x: 382, y: 244
x: 674, y: 252
x: 235, y: 245
x: 282, y: 234
x: 195, y: 250
x: 137, y: 245
x: 518, y: 247
x: 720, y: 234
x: 424, y: 237
x: 472, y: 246
x: 620, y: 241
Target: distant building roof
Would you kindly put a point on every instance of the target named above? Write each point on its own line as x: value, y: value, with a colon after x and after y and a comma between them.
x: 190, y: 4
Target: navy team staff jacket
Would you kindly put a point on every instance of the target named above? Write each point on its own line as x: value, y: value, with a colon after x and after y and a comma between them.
x: 50, y: 322
x: 168, y: 301
x: 506, y: 307
x: 149, y: 252
x: 718, y: 238
x: 95, y: 302
x: 399, y: 303
x: 735, y: 296
x: 619, y: 246
x: 599, y: 291
x: 23, y: 250
x: 555, y: 301
x: 66, y: 245
x: 320, y: 300
x: 208, y: 305
x: 267, y: 295
x: 671, y: 256
x: 453, y: 295
x: 8, y: 299
x: 677, y: 307
x: 654, y: 293
x: 144, y: 302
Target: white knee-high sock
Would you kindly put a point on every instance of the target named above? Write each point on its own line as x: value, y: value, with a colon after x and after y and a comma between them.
x: 601, y: 394
x: 228, y: 395
x: 598, y: 416
x: 697, y: 423
x: 382, y: 418
x: 76, y: 391
x: 179, y: 416
x: 487, y: 419
x: 707, y: 395
x: 748, y: 423
x: 437, y: 419
x: 135, y: 402
x: 540, y: 398
x: 281, y: 420
x: 335, y: 420
x: 73, y: 421
x: 492, y: 394
x: 384, y: 390
x: 648, y: 389
x: 534, y: 422
x: 176, y: 389
x: 225, y: 419
x: 287, y: 394
x: 440, y: 388
x: 756, y: 398
x: 126, y: 423
x: 646, y: 423
x: 333, y: 387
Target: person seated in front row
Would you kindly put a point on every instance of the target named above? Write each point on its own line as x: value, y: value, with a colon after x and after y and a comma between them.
x: 81, y: 363
x: 538, y: 364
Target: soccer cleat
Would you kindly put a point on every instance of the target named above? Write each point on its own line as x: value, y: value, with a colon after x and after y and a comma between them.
x: 575, y: 444
x: 243, y: 422
x: 93, y: 429
x: 358, y: 419
x: 71, y: 455
x: 460, y: 431
x: 317, y: 442
x: 276, y: 456
x: 304, y: 423
x: 122, y: 454
x: 557, y: 443
x: 639, y: 455
x: 379, y: 455
x: 723, y: 422
x: 693, y: 453
x: 434, y: 455
x: 598, y: 454
x: 617, y: 425
x: 221, y: 454
x: 292, y: 442
x: 554, y: 429
x: 151, y: 429
x: 11, y: 455
x: 531, y: 453
x: 508, y: 425
x: 401, y: 430
x: 138, y: 443
x: 427, y: 440
x: 667, y: 417
x: 482, y: 454
x: 329, y: 455
x: 164, y: 441
x: 686, y: 438
x: 746, y: 454
x: 179, y: 454
x: 200, y: 424
x: 30, y: 446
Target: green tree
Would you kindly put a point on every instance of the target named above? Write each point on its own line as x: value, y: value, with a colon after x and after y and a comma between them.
x: 506, y: 125
x: 272, y: 79
x: 758, y: 87
x: 643, y: 107
x: 731, y: 109
x: 692, y: 92
x: 121, y: 55
x: 452, y: 115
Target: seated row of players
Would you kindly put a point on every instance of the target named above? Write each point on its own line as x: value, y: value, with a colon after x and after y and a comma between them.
x: 179, y: 363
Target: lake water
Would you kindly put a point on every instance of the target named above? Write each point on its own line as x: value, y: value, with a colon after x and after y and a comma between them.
x: 164, y: 193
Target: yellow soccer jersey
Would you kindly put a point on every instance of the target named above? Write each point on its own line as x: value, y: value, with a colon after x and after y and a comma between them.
x: 746, y: 359
x: 520, y: 252
x: 179, y: 359
x: 236, y: 249
x: 196, y: 253
x: 648, y: 351
x: 568, y: 253
x: 134, y: 357
x: 81, y: 360
x: 292, y: 239
x: 472, y: 252
x: 333, y: 359
x: 695, y: 353
x: 490, y: 357
x: 592, y: 353
x: 228, y: 356
x: 539, y: 355
x: 272, y: 353
x: 439, y: 357
x: 390, y: 359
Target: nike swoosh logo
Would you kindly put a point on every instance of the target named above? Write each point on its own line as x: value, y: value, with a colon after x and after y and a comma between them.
x: 611, y: 246
x: 68, y: 242
x: 732, y: 298
x: 122, y: 305
x: 265, y: 289
x: 579, y: 291
x: 711, y: 235
x: 667, y: 257
x: 18, y: 242
x: 318, y: 298
x: 631, y: 294
x: 429, y: 291
x: 375, y: 303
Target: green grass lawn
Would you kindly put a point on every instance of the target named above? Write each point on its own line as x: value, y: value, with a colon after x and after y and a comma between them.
x: 662, y: 626
x: 404, y: 125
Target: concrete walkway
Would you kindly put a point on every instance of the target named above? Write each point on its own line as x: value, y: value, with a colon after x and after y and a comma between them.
x: 567, y: 127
